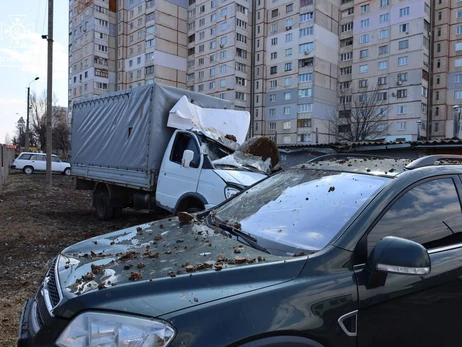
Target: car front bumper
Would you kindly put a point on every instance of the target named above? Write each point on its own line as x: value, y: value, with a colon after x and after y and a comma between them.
x: 13, y: 167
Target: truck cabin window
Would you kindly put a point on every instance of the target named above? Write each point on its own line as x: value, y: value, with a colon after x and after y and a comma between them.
x: 183, y: 142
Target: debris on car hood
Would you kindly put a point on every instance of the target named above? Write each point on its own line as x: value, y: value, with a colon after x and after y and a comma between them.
x: 162, y: 249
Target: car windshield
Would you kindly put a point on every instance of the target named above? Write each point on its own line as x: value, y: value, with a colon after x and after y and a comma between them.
x: 300, y: 208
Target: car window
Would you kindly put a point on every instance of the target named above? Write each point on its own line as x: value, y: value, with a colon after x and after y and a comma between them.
x: 55, y: 159
x: 38, y: 157
x: 300, y: 208
x: 183, y: 142
x: 429, y: 214
x: 25, y: 156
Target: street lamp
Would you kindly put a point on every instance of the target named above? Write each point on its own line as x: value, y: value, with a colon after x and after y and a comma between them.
x: 27, y: 144
x: 455, y: 121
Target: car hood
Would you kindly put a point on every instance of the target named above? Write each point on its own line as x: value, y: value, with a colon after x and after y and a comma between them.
x: 160, y: 267
x: 244, y: 178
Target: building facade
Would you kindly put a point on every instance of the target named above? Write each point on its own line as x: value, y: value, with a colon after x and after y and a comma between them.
x: 290, y: 63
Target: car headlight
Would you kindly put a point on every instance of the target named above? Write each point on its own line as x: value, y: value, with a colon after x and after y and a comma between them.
x: 93, y: 329
x: 230, y: 191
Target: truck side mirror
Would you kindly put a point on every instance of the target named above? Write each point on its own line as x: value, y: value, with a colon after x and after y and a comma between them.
x: 188, y: 156
x: 396, y: 255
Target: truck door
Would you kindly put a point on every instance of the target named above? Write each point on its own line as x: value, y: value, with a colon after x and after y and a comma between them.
x: 174, y: 179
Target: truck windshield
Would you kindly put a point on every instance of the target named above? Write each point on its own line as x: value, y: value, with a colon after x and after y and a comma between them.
x: 213, y: 149
x: 300, y: 208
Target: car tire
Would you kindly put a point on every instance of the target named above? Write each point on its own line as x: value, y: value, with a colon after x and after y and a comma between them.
x: 28, y: 170
x: 67, y: 171
x: 102, y: 209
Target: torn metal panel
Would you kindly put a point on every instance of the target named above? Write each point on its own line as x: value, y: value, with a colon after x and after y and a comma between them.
x: 215, y: 123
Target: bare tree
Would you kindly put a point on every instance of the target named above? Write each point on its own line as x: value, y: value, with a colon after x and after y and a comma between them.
x: 61, y: 131
x: 60, y: 124
x: 359, y: 115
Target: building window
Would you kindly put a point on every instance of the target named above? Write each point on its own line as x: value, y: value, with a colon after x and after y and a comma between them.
x: 458, y: 46
x: 363, y: 68
x: 272, y: 125
x: 287, y: 96
x: 306, y: 47
x: 288, y: 81
x: 363, y: 83
x: 273, y: 70
x: 459, y: 14
x: 383, y: 34
x: 289, y: 37
x: 458, y: 94
x: 404, y: 28
x: 403, y: 44
x: 404, y: 11
x: 401, y: 93
x: 304, y: 93
x: 305, y: 17
x: 364, y: 23
x: 401, y: 109
x: 384, y: 3
x: 288, y: 52
x: 365, y: 8
x: 383, y: 49
x: 363, y: 53
x: 437, y: 95
x: 288, y: 67
x: 306, y: 77
x: 302, y: 108
x: 459, y: 29
x: 364, y: 38
x: 400, y: 125
x: 382, y: 65
x: 382, y: 81
x: 402, y: 61
x: 384, y: 18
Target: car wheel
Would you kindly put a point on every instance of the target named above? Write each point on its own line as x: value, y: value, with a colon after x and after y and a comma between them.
x: 102, y: 209
x: 28, y: 170
x: 67, y: 171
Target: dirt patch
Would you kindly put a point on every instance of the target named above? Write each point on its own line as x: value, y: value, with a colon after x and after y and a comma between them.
x: 36, y: 223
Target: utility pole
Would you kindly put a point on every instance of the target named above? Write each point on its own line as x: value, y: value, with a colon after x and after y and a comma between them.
x: 49, y: 38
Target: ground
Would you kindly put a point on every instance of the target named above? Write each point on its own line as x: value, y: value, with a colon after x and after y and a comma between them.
x: 36, y: 223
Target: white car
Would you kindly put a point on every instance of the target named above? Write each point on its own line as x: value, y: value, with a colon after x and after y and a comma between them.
x: 29, y: 162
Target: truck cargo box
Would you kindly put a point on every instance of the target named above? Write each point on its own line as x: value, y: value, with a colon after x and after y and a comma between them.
x: 121, y: 137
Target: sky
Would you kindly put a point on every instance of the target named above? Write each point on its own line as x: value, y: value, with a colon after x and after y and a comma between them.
x: 23, y: 57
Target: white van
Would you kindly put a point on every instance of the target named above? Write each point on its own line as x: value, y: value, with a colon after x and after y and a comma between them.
x: 29, y: 162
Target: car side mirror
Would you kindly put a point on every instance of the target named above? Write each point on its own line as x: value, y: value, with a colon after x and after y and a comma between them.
x: 395, y: 255
x: 188, y: 156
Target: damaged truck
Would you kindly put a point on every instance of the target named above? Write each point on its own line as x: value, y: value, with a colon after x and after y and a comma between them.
x: 162, y: 147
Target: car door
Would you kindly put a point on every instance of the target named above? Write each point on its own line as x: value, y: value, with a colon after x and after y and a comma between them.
x: 39, y: 162
x: 175, y: 180
x: 422, y: 310
x: 56, y: 164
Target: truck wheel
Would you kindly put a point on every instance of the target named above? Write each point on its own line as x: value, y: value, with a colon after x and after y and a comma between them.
x: 28, y: 170
x: 67, y: 171
x: 102, y: 209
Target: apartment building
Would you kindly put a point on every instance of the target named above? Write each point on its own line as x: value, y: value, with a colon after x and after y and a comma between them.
x: 301, y: 62
x: 92, y: 48
x: 288, y: 62
x: 444, y: 117
x: 390, y: 60
x: 120, y: 44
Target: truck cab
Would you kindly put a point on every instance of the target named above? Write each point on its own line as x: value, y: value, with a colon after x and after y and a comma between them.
x: 190, y: 181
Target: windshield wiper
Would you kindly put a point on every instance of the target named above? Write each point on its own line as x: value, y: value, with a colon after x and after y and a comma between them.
x: 239, y: 234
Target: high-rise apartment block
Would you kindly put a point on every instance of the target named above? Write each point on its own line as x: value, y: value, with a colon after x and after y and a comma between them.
x: 289, y: 62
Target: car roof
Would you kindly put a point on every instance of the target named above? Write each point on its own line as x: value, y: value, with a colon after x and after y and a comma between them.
x: 381, y: 166
x: 364, y: 164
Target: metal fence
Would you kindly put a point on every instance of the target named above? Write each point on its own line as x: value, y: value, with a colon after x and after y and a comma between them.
x: 7, y: 153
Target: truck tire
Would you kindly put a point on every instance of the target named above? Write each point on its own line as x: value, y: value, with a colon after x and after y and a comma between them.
x: 102, y: 209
